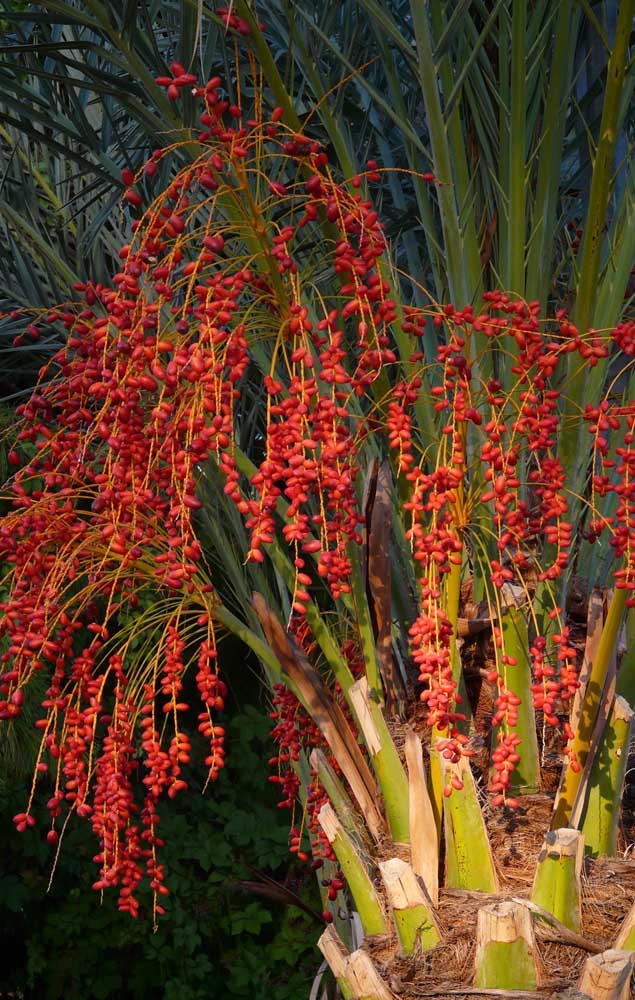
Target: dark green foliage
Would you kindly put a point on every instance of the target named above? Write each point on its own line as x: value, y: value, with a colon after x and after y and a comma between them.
x: 216, y: 939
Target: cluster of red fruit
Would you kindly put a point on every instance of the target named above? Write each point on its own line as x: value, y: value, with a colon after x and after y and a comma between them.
x: 524, y: 490
x: 150, y: 390
x: 146, y: 393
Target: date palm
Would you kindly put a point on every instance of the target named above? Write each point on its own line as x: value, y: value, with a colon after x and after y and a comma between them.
x: 368, y: 458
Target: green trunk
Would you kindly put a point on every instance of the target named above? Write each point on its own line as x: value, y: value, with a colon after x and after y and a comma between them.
x: 366, y: 635
x: 626, y: 676
x: 339, y: 798
x: 506, y: 966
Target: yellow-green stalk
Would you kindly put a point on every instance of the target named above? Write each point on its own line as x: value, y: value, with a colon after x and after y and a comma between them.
x: 580, y: 745
x: 367, y: 902
x: 526, y: 775
x: 601, y: 820
x: 557, y: 886
x: 385, y: 760
x: 468, y: 855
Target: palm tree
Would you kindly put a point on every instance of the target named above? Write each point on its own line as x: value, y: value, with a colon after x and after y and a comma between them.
x: 369, y: 459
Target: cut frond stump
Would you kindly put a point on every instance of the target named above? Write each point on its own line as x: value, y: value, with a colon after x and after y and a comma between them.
x: 336, y: 954
x: 505, y: 947
x: 625, y: 940
x: 607, y: 976
x: 469, y: 861
x: 367, y: 902
x: 356, y: 973
x: 595, y: 621
x: 606, y: 785
x: 557, y: 885
x: 386, y: 762
x: 412, y: 910
x: 518, y: 679
x: 365, y: 980
x: 424, y: 843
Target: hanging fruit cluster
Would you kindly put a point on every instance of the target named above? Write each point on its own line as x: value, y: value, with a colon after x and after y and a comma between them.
x: 252, y: 264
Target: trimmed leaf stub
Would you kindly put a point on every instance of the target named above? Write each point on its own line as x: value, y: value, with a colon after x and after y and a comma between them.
x: 365, y: 980
x: 362, y: 890
x: 412, y: 911
x: 468, y: 853
x: 557, y: 886
x: 601, y: 820
x: 386, y: 761
x: 424, y: 842
x: 357, y: 976
x: 625, y: 939
x: 505, y: 948
x: 336, y: 954
x: 607, y: 976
